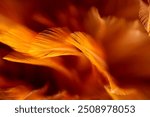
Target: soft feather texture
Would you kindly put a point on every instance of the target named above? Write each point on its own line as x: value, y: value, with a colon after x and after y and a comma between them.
x: 91, y: 58
x: 144, y: 15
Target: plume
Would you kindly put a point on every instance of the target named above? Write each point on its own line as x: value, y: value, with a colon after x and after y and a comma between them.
x: 144, y: 15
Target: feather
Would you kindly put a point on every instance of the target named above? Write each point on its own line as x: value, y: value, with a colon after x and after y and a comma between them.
x: 18, y: 37
x: 45, y: 49
x: 54, y: 63
x: 93, y: 52
x: 88, y: 47
x: 144, y: 15
x: 51, y: 43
